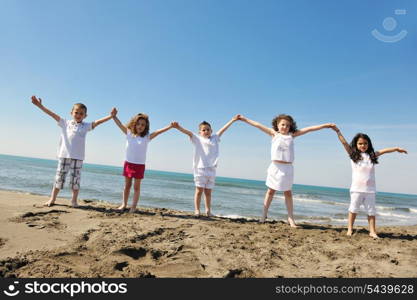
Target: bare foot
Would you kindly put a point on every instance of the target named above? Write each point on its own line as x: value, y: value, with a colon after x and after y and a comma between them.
x: 208, y: 214
x: 349, y: 233
x: 197, y: 213
x: 74, y: 204
x: 132, y: 210
x: 262, y: 219
x: 49, y: 203
x: 373, y: 235
x: 121, y: 207
x: 292, y: 223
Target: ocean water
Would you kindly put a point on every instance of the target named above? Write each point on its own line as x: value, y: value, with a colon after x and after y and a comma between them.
x: 231, y: 197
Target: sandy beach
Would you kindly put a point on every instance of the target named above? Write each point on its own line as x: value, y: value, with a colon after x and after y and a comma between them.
x: 95, y: 240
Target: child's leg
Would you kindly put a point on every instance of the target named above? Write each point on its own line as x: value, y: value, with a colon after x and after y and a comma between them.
x: 74, y: 197
x: 61, y: 173
x: 372, y: 227
x: 52, y: 199
x: 356, y: 200
x: 290, y: 209
x: 126, y: 193
x: 136, y: 194
x: 197, y: 199
x: 267, y: 202
x: 369, y: 204
x: 207, y: 194
x: 351, y: 220
x: 75, y: 179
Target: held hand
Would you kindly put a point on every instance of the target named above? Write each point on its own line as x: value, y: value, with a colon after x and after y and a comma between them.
x: 235, y: 118
x: 331, y: 125
x: 401, y: 150
x: 334, y: 127
x: 36, y: 101
x: 113, y: 112
x: 242, y: 118
x: 175, y: 124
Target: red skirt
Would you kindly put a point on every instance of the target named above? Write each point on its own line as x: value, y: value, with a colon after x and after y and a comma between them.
x: 133, y: 170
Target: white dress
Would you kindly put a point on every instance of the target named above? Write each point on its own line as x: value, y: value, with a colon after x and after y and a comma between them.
x: 281, y: 176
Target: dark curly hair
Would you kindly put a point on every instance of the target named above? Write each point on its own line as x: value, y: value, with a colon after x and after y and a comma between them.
x: 356, y: 154
x: 277, y: 119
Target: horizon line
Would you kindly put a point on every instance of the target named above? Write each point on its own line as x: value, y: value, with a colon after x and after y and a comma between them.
x: 219, y: 177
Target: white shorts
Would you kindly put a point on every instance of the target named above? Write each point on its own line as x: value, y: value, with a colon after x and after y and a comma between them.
x: 205, y: 177
x: 280, y: 177
x: 366, y: 199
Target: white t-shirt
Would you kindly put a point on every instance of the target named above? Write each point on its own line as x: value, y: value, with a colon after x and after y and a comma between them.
x: 282, y: 148
x: 72, y: 143
x: 136, y: 147
x: 363, y: 175
x: 206, y: 151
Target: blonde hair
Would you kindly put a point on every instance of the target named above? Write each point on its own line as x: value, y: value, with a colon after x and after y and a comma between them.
x: 132, y: 124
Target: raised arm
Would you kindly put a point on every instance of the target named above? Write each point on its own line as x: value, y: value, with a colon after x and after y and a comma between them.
x: 227, y: 125
x: 38, y: 102
x: 116, y: 120
x: 342, y: 140
x: 159, y: 131
x: 389, y: 150
x: 105, y: 119
x: 176, y: 125
x: 258, y: 125
x: 313, y: 128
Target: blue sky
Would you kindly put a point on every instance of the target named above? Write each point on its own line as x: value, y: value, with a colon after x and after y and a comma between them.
x: 192, y: 60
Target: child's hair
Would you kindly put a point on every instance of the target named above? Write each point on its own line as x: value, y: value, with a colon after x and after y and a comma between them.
x: 132, y: 124
x: 277, y: 119
x: 80, y: 105
x: 356, y: 154
x: 204, y: 123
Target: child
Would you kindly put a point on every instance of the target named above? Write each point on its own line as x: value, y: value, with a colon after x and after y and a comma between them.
x: 280, y: 172
x: 206, y: 155
x: 72, y: 147
x: 138, y: 137
x: 362, y: 191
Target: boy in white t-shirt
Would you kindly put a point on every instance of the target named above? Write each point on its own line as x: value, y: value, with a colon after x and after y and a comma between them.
x: 206, y: 155
x: 71, y: 149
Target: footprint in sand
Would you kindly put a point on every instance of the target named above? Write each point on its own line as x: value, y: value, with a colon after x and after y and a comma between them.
x: 145, y: 275
x: 10, y: 265
x: 121, y: 265
x: 156, y: 254
x: 239, y: 273
x: 41, y: 220
x: 140, y: 237
x: 132, y: 252
x: 86, y: 235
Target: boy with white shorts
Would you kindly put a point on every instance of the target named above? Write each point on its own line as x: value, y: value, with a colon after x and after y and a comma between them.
x: 206, y: 155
